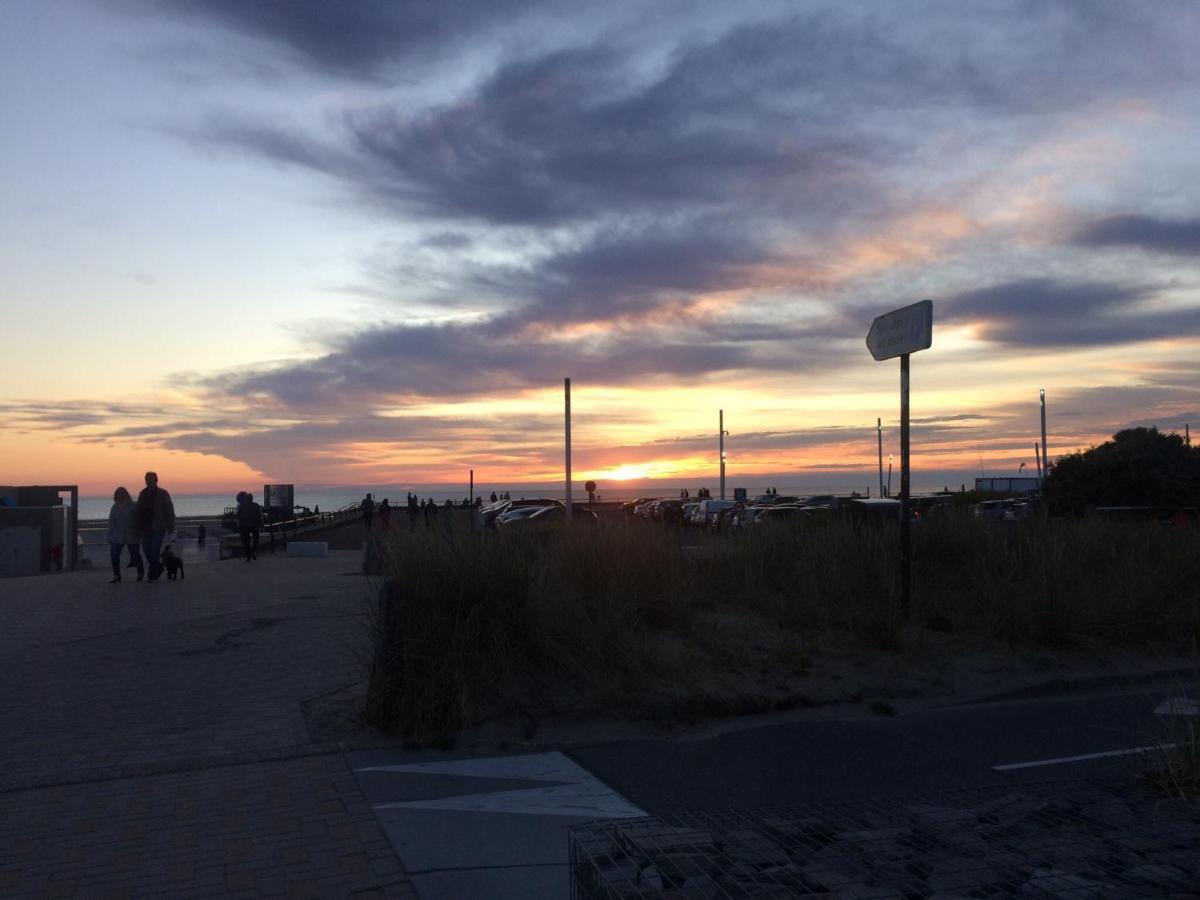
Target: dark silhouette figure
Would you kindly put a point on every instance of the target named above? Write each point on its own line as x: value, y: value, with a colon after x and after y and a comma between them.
x: 385, y: 515
x: 201, y: 536
x: 173, y: 563
x: 249, y: 520
x: 368, y: 511
x: 494, y: 497
x: 123, y: 532
x: 155, y: 518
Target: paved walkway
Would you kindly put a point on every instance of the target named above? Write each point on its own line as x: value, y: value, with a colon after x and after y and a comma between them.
x: 153, y: 736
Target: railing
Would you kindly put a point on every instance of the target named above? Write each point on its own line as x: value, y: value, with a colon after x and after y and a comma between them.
x: 279, y: 533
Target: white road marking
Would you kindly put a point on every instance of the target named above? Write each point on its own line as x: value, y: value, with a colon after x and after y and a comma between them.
x: 582, y: 794
x: 1085, y: 756
x: 1178, y: 706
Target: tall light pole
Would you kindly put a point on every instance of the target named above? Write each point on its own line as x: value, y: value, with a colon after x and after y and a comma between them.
x: 1045, y: 449
x: 1037, y: 453
x: 721, y: 432
x: 891, y: 458
x: 567, y: 428
x: 879, y: 435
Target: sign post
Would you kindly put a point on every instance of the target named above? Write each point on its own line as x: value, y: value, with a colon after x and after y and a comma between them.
x: 901, y: 333
x: 567, y: 430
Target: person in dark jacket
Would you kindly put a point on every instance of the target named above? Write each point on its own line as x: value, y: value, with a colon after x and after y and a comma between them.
x: 123, y: 532
x: 155, y: 519
x: 385, y: 515
x: 368, y: 511
x: 249, y: 520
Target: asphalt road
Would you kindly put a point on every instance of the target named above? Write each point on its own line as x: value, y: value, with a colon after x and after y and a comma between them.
x: 925, y: 751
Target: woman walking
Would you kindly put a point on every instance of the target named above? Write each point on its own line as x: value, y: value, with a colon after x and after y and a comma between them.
x: 123, y: 532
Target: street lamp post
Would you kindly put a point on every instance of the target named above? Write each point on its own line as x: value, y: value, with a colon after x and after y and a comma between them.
x: 721, y: 432
x: 1045, y: 449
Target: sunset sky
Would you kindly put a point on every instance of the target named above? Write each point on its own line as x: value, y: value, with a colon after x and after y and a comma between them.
x: 363, y: 242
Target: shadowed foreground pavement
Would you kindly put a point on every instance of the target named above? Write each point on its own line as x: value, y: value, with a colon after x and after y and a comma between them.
x: 154, y: 739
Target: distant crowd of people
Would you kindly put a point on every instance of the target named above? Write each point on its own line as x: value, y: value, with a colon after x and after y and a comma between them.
x: 426, y: 509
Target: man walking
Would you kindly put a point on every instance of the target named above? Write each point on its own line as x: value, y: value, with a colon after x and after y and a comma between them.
x: 249, y: 520
x: 368, y: 511
x: 156, y: 517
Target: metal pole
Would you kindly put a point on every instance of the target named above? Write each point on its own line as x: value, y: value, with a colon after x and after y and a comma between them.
x: 891, y: 459
x: 567, y: 399
x: 879, y: 434
x: 721, y: 447
x: 1037, y: 452
x: 1187, y: 434
x: 1045, y: 449
x: 905, y: 529
x: 471, y: 490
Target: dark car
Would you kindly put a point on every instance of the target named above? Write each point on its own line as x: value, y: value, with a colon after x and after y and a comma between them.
x: 555, y: 515
x: 486, y: 516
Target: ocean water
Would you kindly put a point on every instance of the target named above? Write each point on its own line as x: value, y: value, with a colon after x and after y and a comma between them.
x: 331, y: 498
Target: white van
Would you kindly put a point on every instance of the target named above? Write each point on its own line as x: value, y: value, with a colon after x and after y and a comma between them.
x: 706, y: 513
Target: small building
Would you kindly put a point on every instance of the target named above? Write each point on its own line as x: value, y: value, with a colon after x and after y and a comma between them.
x: 1022, y: 485
x: 38, y: 531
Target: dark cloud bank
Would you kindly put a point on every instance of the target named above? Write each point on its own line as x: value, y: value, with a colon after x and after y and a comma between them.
x: 638, y: 186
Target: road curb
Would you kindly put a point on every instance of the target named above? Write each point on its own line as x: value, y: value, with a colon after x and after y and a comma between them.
x: 1057, y: 686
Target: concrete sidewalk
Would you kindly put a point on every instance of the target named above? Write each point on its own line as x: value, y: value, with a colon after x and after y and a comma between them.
x: 154, y: 739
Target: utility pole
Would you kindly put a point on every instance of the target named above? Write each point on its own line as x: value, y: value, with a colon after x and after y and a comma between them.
x: 567, y: 424
x: 1045, y: 449
x: 905, y: 525
x: 471, y: 489
x: 879, y: 435
x: 1037, y: 452
x: 721, y: 432
x: 891, y: 459
x: 1187, y: 434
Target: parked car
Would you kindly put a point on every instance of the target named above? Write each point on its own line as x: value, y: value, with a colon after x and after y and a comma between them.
x: 486, y: 516
x: 557, y: 514
x: 706, y: 512
x: 521, y: 512
x: 631, y: 506
x: 791, y: 514
x: 992, y: 510
x: 687, y: 511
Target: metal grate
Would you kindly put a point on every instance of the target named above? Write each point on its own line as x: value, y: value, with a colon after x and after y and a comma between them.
x: 1050, y: 840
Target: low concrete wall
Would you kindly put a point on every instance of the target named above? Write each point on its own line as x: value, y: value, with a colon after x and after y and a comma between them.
x: 27, y: 534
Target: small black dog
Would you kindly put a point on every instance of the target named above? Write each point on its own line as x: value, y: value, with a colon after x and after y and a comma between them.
x: 173, y: 563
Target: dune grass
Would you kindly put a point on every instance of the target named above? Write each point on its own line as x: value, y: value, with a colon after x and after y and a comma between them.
x: 466, y: 621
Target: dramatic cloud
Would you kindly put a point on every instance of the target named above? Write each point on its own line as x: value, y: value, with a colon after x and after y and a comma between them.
x: 676, y: 196
x: 1046, y: 313
x: 1181, y: 238
x: 362, y: 38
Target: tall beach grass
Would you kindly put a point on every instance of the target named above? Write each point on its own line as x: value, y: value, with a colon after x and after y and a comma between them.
x: 468, y: 623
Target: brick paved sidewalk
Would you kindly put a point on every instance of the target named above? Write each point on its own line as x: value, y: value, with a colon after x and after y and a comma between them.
x: 154, y: 739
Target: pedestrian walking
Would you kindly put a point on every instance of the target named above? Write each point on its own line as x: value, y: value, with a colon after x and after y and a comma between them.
x: 368, y: 511
x: 249, y: 521
x: 155, y: 519
x: 123, y: 532
x: 385, y: 515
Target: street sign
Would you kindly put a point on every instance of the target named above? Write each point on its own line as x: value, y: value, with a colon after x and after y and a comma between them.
x: 901, y: 331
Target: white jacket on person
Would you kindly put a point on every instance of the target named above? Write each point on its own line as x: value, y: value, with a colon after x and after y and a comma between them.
x: 123, y: 524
